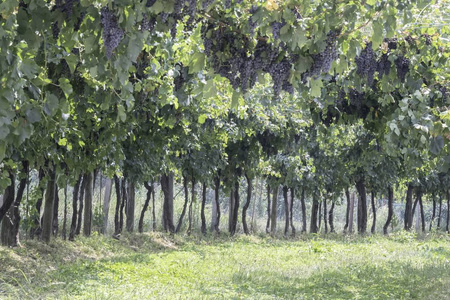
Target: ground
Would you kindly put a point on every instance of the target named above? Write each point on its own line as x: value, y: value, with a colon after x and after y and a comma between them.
x: 158, y: 266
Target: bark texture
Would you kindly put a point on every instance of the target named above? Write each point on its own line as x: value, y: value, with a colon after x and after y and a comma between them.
x: 167, y: 188
x: 247, y: 204
x: 47, y: 218
x: 390, y: 209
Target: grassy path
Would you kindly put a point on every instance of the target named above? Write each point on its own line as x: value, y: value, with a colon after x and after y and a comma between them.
x: 160, y: 267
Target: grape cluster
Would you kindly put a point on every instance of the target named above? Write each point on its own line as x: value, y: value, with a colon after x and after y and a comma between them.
x: 356, y: 98
x: 276, y: 27
x: 445, y: 94
x: 55, y: 30
x: 383, y: 66
x: 66, y: 6
x: 392, y: 43
x: 227, y: 4
x: 150, y: 3
x: 366, y: 63
x: 80, y: 19
x: 355, y: 105
x: 428, y: 39
x: 402, y: 65
x: 322, y: 62
x: 178, y: 6
x: 112, y: 33
x: 148, y: 24
x: 409, y: 39
x: 242, y: 69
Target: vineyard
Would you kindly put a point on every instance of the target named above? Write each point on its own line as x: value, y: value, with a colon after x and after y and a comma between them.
x: 216, y: 118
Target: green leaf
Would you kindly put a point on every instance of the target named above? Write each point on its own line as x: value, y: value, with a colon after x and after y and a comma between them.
x: 202, y: 119
x: 316, y: 87
x: 65, y: 85
x: 4, y: 131
x: 436, y: 145
x: 235, y: 99
x: 2, y: 150
x: 121, y: 113
x: 377, y: 37
x: 197, y: 62
x: 72, y: 61
x: 51, y: 104
x: 33, y: 115
x: 299, y: 38
x: 62, y: 142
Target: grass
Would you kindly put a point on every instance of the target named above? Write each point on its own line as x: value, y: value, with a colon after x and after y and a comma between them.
x: 157, y: 266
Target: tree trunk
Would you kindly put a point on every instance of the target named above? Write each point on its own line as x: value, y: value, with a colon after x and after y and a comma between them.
x: 123, y: 202
x: 131, y: 198
x: 13, y: 214
x: 167, y: 188
x: 273, y: 215
x: 347, y: 212
x: 352, y: 208
x: 291, y: 209
x: 8, y: 201
x: 313, y: 228
x: 414, y: 211
x: 146, y: 204
x: 408, y: 208
x: 153, y: 210
x: 189, y: 230
x: 422, y: 214
x: 216, y: 199
x: 331, y: 217
x: 80, y: 207
x: 213, y: 215
x: 439, y: 211
x: 374, y: 212
x: 55, y: 213
x: 36, y: 229
x: 390, y: 209
x: 73, y: 224
x: 302, y: 202
x: 247, y: 204
x: 362, y: 206
x: 268, y: 208
x: 252, y: 224
x: 433, y: 216
x: 319, y: 227
x: 202, y: 209
x: 7, y: 236
x: 235, y: 208
x: 118, y: 202
x: 64, y: 229
x: 47, y: 218
x: 186, y: 201
x: 87, y: 226
x: 286, y: 210
x: 106, y: 203
x: 325, y: 210
x: 448, y: 212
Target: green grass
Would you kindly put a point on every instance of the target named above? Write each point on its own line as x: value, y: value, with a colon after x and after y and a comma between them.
x: 162, y: 267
